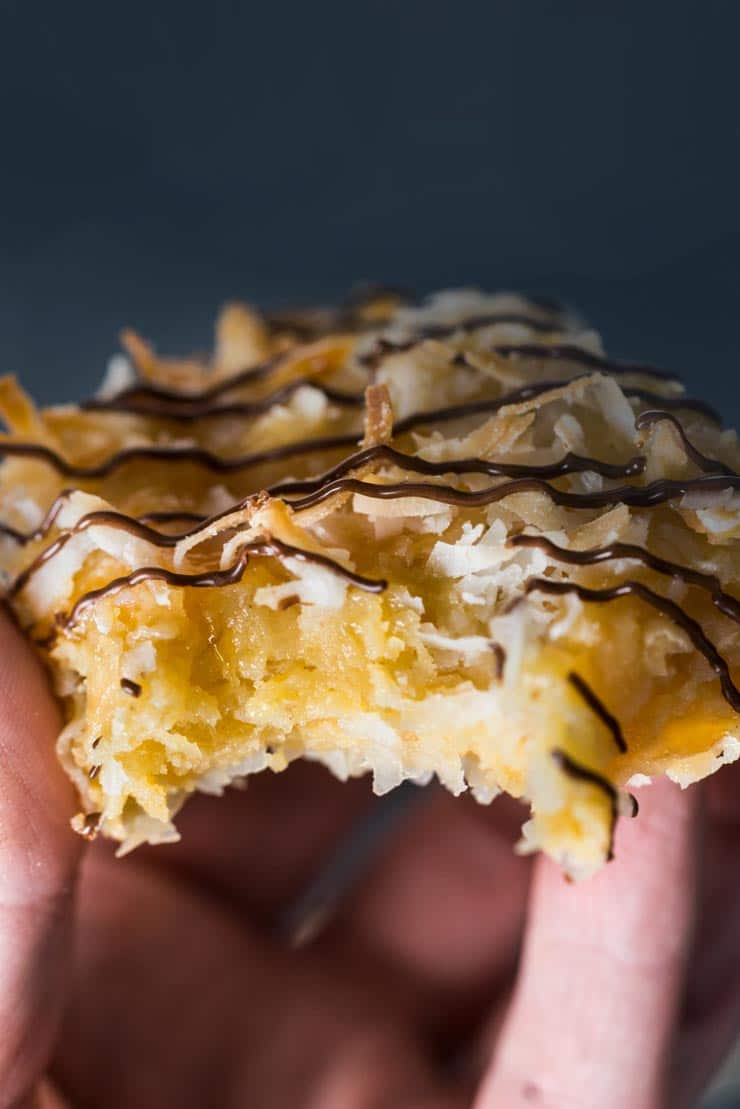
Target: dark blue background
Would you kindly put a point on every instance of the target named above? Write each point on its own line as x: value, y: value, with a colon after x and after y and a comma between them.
x: 158, y: 158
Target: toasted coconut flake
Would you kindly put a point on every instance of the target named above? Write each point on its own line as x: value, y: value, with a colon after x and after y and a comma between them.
x: 242, y: 340
x: 19, y: 412
x: 378, y: 416
x: 177, y: 373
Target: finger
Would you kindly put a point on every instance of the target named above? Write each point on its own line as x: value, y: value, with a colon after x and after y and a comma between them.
x: 710, y: 1014
x: 596, y: 1000
x: 39, y: 854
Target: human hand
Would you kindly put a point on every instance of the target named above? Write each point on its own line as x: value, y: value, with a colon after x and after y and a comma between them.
x: 177, y: 991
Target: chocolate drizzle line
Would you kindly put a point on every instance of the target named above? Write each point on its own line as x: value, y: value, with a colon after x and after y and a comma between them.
x: 132, y: 688
x: 384, y: 347
x: 598, y: 707
x: 161, y: 392
x: 570, y: 463
x: 708, y: 465
x: 12, y: 533
x: 668, y: 608
x: 217, y: 578
x: 168, y: 516
x: 568, y: 352
x: 171, y: 453
x: 490, y: 405
x: 319, y: 489
x: 691, y: 404
x: 726, y: 603
x: 255, y: 373
x: 169, y: 405
x: 580, y: 773
x: 210, y: 461
x: 499, y: 654
x: 347, y: 315
x: 656, y: 492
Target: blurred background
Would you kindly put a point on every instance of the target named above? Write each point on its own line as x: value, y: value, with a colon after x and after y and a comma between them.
x: 159, y: 158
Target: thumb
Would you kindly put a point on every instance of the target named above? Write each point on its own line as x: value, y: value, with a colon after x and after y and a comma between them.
x: 38, y: 859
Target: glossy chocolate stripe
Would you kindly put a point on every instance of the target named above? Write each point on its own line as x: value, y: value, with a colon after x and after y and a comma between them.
x: 202, y: 457
x: 168, y: 516
x: 668, y: 608
x: 385, y: 347
x: 599, y: 709
x: 711, y: 584
x: 580, y: 773
x: 255, y: 373
x: 186, y: 410
x: 525, y: 393
x: 685, y: 402
x: 569, y: 352
x: 708, y: 465
x: 137, y: 526
x: 639, y: 496
x: 13, y: 533
x: 657, y: 492
x: 172, y: 453
x: 274, y: 548
x: 570, y: 463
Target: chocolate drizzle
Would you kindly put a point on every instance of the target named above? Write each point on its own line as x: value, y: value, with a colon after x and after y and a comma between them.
x: 302, y: 494
x: 668, y: 608
x: 12, y: 533
x: 580, y: 773
x: 570, y: 463
x: 217, y: 578
x: 598, y: 707
x: 499, y: 654
x: 166, y: 404
x: 320, y: 489
x: 725, y: 602
x: 701, y: 461
x: 491, y: 405
x: 661, y: 491
x: 171, y: 453
x: 143, y: 391
x: 569, y: 352
x: 383, y: 347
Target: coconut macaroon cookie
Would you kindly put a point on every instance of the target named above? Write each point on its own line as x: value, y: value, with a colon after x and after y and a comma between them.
x: 447, y: 539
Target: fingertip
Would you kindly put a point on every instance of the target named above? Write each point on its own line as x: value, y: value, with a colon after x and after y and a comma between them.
x: 37, y: 799
x: 600, y: 980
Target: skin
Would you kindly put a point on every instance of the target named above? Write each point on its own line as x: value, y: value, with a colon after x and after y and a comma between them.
x: 455, y: 974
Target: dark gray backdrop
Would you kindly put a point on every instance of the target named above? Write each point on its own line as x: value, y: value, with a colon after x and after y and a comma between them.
x: 157, y: 158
